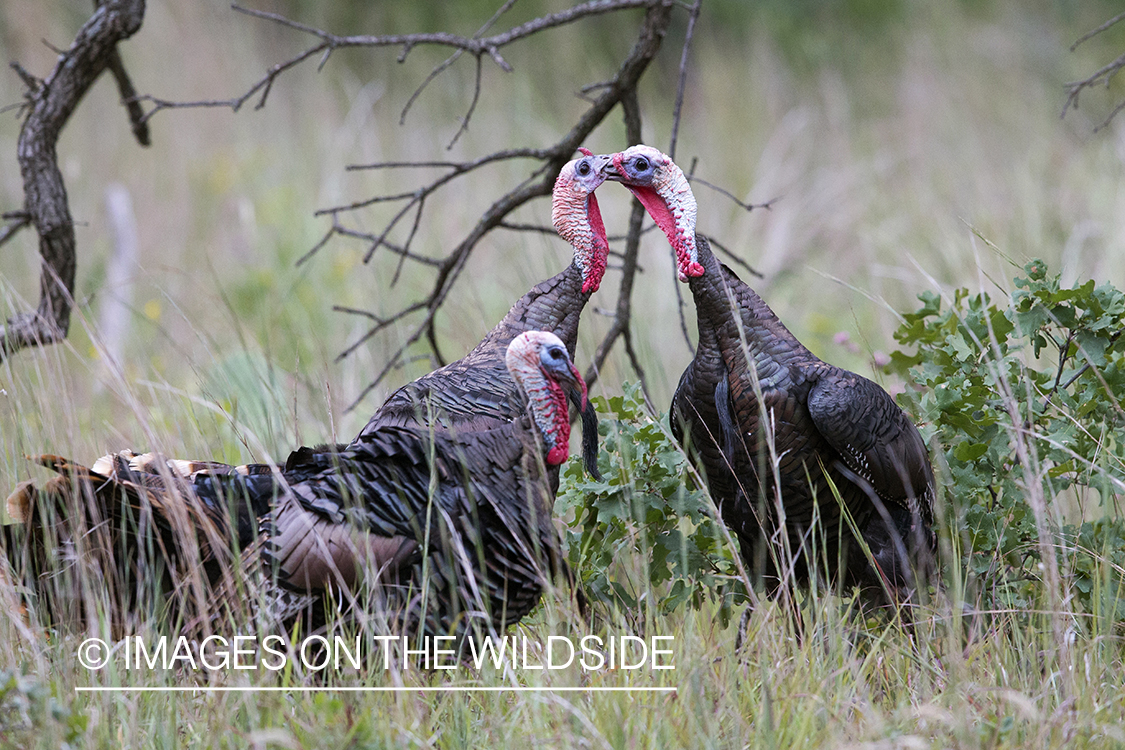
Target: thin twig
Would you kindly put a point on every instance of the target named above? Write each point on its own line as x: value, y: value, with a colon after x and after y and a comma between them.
x: 746, y: 206
x: 438, y: 70
x: 419, y: 196
x: 537, y: 228
x: 472, y: 107
x: 367, y: 236
x: 636, y: 362
x: 1101, y: 76
x: 402, y: 165
x: 323, y: 241
x: 683, y: 78
x: 19, y: 221
x: 264, y: 84
x: 356, y: 311
x: 680, y: 306
x: 448, y: 62
x: 1112, y: 113
x: 730, y: 254
x: 410, y: 238
x: 329, y: 42
x: 461, y: 167
x: 1097, y: 31
x: 32, y: 83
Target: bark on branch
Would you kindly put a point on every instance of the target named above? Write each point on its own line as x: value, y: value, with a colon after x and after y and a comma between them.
x: 50, y: 103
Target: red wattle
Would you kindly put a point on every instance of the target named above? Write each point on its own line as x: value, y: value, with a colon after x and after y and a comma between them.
x: 561, y: 427
x: 657, y: 209
x: 600, y: 247
x: 664, y: 219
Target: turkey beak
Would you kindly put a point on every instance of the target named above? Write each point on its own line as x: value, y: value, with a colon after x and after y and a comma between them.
x: 572, y: 384
x: 612, y: 172
x: 603, y: 163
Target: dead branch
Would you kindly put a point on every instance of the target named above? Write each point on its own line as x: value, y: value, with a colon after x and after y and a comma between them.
x: 538, y: 184
x: 19, y: 220
x: 50, y: 104
x: 736, y: 259
x: 449, y: 62
x: 676, y: 110
x: 1101, y: 77
x: 477, y: 46
x: 128, y: 93
x: 1095, y: 32
x: 744, y: 206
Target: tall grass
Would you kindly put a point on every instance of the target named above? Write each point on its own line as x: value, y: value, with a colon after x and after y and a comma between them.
x: 885, y: 149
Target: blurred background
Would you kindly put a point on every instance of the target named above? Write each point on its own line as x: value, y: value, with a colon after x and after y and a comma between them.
x: 910, y: 145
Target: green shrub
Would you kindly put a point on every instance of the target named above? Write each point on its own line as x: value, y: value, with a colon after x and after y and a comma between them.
x: 648, y: 511
x: 1024, y: 402
x: 31, y: 711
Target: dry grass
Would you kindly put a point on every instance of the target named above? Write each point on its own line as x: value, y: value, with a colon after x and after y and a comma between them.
x: 885, y: 153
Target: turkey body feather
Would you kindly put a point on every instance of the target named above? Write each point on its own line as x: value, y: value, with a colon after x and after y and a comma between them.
x: 462, y: 515
x: 776, y: 429
x: 477, y: 390
x: 800, y: 456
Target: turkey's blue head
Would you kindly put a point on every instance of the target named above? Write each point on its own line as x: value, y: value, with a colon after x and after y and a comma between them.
x: 540, y: 365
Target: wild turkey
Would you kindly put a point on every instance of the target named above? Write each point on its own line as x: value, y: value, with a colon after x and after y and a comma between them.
x: 477, y: 387
x: 483, y: 550
x: 751, y: 380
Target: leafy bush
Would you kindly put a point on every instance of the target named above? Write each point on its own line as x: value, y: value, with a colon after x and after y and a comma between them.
x: 30, y: 711
x: 649, y: 510
x: 1025, y: 401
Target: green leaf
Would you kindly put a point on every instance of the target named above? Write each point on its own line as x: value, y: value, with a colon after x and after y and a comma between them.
x: 967, y: 451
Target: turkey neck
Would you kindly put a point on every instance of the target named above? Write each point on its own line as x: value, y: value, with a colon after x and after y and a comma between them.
x: 553, y: 305
x: 724, y: 303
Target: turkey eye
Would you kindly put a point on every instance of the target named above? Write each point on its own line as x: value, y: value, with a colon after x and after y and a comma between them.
x: 583, y: 168
x: 641, y: 164
x: 555, y: 353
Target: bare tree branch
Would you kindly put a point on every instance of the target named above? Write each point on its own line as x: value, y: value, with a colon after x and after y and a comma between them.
x: 51, y: 103
x: 1095, y: 32
x: 538, y: 183
x: 683, y: 78
x: 472, y: 107
x: 416, y: 197
x: 745, y: 206
x: 730, y: 254
x: 129, y: 98
x: 19, y: 220
x: 441, y: 67
x: 1099, y: 77
x: 476, y: 46
x: 128, y: 93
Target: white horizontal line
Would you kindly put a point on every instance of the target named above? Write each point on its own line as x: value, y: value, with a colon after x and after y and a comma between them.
x: 353, y: 689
